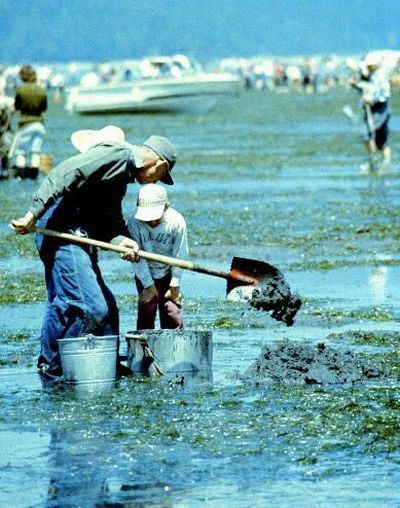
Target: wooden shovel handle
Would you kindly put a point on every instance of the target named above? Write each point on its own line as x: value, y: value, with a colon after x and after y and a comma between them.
x: 150, y: 256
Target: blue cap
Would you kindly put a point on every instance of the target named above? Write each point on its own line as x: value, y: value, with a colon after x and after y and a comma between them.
x: 166, y: 150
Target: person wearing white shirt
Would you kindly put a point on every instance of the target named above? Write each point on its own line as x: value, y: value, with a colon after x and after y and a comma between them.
x: 158, y: 228
x: 374, y: 86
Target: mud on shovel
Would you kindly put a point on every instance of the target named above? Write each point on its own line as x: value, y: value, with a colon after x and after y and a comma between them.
x: 260, y: 284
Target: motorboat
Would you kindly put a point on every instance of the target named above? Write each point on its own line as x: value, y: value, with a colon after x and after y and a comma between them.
x: 159, y: 84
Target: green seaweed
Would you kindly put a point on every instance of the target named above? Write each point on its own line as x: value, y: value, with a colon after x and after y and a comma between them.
x: 383, y: 338
x: 21, y: 288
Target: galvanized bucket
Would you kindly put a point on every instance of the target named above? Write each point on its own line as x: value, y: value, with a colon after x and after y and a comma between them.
x: 173, y: 351
x: 89, y: 362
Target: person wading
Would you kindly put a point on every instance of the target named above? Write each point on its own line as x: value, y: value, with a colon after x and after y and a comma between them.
x: 160, y: 229
x: 31, y: 102
x: 83, y: 195
x: 374, y: 86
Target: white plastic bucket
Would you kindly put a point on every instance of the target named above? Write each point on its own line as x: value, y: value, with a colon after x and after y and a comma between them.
x: 174, y: 351
x: 89, y: 362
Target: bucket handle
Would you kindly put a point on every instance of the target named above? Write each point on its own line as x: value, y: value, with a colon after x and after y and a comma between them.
x: 147, y: 352
x: 91, y: 341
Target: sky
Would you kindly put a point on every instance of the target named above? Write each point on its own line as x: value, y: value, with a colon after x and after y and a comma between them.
x: 102, y: 30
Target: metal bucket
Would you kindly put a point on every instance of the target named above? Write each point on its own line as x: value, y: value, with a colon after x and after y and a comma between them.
x: 89, y: 362
x: 174, y: 351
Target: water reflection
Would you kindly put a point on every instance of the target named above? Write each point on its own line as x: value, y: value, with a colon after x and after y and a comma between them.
x: 378, y: 279
x: 76, y: 475
x: 22, y: 465
x: 378, y: 186
x: 97, y: 472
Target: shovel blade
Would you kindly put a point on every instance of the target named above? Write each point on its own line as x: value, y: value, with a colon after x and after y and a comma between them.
x: 253, y: 269
x: 269, y: 291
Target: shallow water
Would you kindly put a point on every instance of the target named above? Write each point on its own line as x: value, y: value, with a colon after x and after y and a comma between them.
x: 270, y: 177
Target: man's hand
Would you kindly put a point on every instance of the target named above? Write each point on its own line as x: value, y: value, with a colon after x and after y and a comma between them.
x: 174, y: 295
x: 130, y: 244
x: 148, y: 294
x: 24, y: 225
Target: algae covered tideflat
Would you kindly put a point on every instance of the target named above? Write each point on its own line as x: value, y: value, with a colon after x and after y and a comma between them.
x: 265, y: 176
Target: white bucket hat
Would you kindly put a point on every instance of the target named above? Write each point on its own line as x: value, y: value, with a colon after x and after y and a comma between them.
x: 82, y: 140
x: 372, y: 59
x: 151, y: 202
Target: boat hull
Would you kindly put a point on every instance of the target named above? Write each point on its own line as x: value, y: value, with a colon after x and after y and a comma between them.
x: 153, y: 95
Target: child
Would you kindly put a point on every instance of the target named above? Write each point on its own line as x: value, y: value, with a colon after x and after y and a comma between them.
x: 160, y: 229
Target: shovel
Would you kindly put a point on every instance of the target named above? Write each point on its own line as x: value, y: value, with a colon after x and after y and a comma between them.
x: 260, y: 283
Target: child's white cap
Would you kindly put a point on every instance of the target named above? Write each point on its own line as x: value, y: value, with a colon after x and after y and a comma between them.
x: 151, y: 202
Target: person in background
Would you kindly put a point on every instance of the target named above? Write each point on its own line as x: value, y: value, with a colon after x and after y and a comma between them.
x: 31, y: 102
x: 6, y: 112
x: 374, y: 85
x: 309, y: 76
x: 83, y: 196
x: 158, y: 228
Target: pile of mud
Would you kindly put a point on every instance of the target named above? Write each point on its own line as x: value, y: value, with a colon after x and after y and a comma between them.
x: 293, y: 363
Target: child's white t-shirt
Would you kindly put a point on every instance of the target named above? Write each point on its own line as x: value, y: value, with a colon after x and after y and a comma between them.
x: 169, y: 238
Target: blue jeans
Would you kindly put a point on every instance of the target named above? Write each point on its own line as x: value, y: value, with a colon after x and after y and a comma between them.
x: 29, y: 139
x: 79, y: 302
